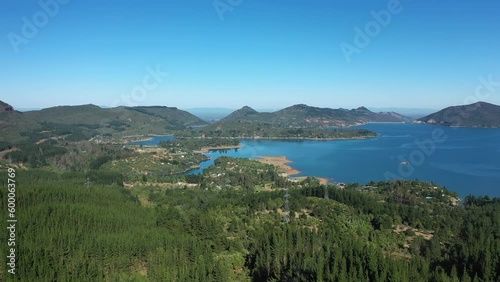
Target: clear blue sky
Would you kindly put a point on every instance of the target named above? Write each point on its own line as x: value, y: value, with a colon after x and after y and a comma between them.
x: 263, y: 53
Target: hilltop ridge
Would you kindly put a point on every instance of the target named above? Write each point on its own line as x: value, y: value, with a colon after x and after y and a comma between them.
x: 241, y: 113
x: 480, y: 114
x: 83, y: 122
x: 4, y: 107
x: 304, y: 116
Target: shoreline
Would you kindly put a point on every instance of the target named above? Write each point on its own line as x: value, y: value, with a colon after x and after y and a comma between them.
x: 140, y: 140
x: 301, y: 138
x: 456, y: 126
x: 208, y: 149
x: 322, y: 180
x: 288, y: 138
x: 193, y: 167
x: 143, y: 138
x: 307, y: 138
x: 281, y: 162
x: 375, y: 122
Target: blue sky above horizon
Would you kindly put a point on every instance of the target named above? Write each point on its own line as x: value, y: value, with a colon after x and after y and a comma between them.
x: 262, y: 53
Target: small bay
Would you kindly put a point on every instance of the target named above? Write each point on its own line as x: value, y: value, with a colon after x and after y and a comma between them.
x: 464, y: 160
x: 153, y: 140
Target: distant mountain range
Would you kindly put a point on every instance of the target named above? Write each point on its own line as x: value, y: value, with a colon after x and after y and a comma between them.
x: 86, y: 121
x: 414, y: 113
x: 304, y: 116
x: 213, y: 114
x: 210, y: 114
x: 480, y: 114
x: 89, y: 120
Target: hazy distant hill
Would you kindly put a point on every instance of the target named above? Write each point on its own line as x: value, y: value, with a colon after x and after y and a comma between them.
x: 413, y: 113
x: 306, y: 116
x: 480, y: 114
x: 369, y: 116
x: 210, y: 114
x: 85, y: 121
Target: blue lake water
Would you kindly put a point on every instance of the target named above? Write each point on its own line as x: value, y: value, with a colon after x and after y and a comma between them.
x: 154, y: 141
x: 464, y: 160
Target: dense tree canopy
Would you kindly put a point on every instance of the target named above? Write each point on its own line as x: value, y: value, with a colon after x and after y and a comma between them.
x: 71, y: 231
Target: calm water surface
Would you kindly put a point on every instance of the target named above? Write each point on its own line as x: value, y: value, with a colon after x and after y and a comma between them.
x: 154, y: 141
x: 465, y: 160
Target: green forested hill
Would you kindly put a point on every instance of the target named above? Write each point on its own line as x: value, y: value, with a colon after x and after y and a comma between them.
x: 480, y: 114
x: 69, y: 231
x: 296, y: 122
x: 83, y: 122
x: 303, y: 115
x: 14, y: 124
x: 74, y: 123
x: 245, y: 112
x: 306, y: 116
x: 134, y: 117
x: 174, y: 116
